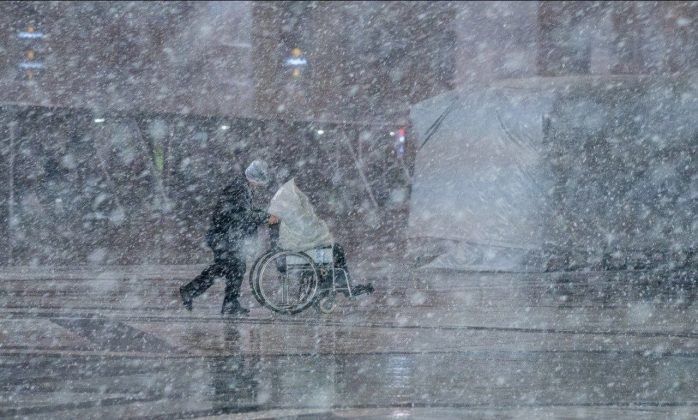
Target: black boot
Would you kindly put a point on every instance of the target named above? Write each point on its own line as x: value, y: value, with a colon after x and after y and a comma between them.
x: 187, y: 299
x: 233, y: 307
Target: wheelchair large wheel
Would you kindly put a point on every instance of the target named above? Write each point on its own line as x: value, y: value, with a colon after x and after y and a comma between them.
x: 285, y: 282
x: 254, y: 274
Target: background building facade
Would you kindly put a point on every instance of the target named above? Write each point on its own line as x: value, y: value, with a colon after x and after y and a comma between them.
x: 359, y: 61
x: 120, y: 121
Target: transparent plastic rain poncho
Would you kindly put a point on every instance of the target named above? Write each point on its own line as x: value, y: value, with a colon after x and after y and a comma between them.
x: 300, y: 228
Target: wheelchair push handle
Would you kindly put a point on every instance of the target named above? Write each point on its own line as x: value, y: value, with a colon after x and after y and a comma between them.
x: 274, y: 237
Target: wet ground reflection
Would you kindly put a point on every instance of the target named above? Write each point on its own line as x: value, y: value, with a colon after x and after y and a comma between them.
x: 468, y: 379
x: 481, y: 345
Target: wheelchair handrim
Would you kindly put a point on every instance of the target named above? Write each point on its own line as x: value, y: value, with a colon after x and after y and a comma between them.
x: 264, y: 297
x: 254, y: 275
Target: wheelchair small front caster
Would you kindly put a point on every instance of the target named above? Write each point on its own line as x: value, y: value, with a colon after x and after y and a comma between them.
x: 326, y: 304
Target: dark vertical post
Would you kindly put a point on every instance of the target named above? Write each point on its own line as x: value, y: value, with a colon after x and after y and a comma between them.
x: 626, y: 41
x: 8, y: 133
x: 564, y: 47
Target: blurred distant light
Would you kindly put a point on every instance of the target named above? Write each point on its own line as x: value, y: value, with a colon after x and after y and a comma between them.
x: 400, y: 144
x: 392, y: 133
x: 99, y: 120
x: 31, y: 65
x: 321, y: 132
x: 296, y: 61
x: 225, y: 127
x: 30, y: 33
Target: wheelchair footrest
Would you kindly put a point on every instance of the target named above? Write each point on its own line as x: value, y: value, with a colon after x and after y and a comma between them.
x: 362, y: 289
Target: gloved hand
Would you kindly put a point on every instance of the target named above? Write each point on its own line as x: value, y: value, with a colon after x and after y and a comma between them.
x: 259, y: 217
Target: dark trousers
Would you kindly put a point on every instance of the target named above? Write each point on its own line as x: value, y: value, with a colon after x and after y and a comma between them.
x: 229, y: 264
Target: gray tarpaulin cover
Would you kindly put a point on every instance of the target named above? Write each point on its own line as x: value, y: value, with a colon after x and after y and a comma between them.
x: 591, y: 171
x: 300, y: 228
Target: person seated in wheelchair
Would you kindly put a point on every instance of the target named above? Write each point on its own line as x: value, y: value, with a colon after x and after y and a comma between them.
x: 296, y: 227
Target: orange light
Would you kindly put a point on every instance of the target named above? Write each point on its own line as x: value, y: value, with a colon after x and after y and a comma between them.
x: 30, y: 55
x: 296, y: 52
x: 296, y: 72
x: 30, y: 29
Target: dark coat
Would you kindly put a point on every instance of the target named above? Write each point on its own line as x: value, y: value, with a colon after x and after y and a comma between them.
x: 234, y: 217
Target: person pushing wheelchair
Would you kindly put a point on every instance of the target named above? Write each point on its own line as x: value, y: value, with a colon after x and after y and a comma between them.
x: 238, y: 213
x: 244, y: 206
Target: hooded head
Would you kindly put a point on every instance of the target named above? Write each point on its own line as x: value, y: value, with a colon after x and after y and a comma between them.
x: 258, y: 173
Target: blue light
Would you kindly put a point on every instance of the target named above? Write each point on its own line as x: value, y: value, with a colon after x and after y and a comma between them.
x: 30, y: 35
x: 33, y: 65
x: 296, y: 61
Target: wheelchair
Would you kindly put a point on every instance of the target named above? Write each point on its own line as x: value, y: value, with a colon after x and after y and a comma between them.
x: 289, y: 282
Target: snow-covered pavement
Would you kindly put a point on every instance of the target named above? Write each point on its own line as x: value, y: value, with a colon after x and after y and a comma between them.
x: 115, y: 343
